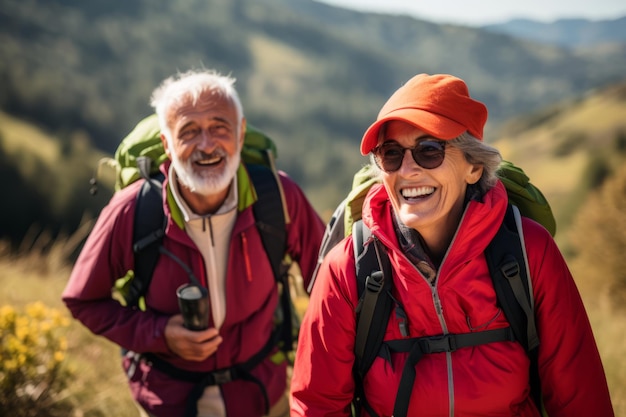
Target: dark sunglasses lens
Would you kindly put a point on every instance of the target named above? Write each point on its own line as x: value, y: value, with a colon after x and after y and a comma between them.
x: 429, y: 154
x: 389, y: 158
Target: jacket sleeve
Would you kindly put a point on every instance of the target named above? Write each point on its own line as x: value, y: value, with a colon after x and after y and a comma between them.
x: 106, y: 256
x: 322, y: 383
x: 570, y: 368
x: 304, y: 230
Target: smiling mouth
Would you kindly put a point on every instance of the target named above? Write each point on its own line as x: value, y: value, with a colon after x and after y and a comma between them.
x: 210, y: 161
x: 417, y: 192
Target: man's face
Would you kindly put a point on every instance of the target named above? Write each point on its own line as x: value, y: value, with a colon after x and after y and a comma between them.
x: 205, y: 144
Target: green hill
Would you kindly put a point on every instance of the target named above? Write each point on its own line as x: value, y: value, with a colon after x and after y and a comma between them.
x: 570, y: 148
x: 310, y: 75
x: 45, y: 181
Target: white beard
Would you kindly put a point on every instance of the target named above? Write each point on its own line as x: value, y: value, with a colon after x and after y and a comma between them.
x: 206, y: 183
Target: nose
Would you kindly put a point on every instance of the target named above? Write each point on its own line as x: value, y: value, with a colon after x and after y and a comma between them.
x: 408, y: 163
x: 206, y: 140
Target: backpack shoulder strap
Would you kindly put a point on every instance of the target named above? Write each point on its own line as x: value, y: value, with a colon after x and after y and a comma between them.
x: 270, y: 221
x: 269, y: 215
x: 373, y: 274
x: 508, y: 266
x: 506, y: 258
x: 148, y: 232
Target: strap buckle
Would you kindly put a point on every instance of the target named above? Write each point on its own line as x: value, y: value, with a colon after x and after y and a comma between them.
x: 438, y: 344
x: 374, y: 282
x: 511, y: 269
x: 222, y: 377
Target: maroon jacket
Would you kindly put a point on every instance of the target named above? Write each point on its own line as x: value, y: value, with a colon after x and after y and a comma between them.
x: 251, y: 296
x: 485, y: 380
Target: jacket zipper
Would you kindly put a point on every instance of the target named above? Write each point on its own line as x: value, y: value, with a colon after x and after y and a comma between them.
x: 442, y: 321
x: 246, y: 258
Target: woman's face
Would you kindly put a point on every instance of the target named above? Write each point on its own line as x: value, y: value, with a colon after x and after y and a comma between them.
x: 427, y: 200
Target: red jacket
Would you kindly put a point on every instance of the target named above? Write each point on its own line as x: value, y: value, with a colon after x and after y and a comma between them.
x: 251, y: 296
x: 486, y: 380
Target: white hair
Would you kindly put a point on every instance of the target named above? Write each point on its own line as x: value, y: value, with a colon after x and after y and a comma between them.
x: 188, y: 87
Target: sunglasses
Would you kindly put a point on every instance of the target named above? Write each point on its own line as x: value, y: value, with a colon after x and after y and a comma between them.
x: 429, y: 154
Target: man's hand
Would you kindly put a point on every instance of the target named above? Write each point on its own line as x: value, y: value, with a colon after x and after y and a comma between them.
x: 190, y: 344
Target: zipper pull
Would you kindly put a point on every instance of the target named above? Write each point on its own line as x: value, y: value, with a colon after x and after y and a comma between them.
x: 403, y: 323
x: 437, y: 302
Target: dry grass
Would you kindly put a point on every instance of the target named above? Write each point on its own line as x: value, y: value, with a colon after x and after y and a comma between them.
x: 609, y: 326
x: 99, y: 388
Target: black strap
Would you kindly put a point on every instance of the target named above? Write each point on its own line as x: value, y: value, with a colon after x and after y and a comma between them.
x: 148, y: 230
x: 373, y: 274
x: 269, y: 215
x: 270, y: 221
x: 417, y: 347
x: 201, y: 380
x: 507, y: 265
x: 373, y: 310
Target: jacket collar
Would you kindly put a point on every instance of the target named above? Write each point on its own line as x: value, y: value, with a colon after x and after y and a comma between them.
x: 246, y: 194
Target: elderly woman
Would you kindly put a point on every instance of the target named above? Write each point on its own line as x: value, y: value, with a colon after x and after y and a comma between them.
x: 435, y: 212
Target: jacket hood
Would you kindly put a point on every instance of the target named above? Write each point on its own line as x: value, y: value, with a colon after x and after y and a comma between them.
x: 479, y: 223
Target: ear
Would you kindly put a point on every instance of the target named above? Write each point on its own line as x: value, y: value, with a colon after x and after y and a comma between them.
x: 165, y: 143
x: 474, y: 173
x: 242, y: 132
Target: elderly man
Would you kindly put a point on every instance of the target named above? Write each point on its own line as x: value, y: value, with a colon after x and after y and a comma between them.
x: 211, y: 231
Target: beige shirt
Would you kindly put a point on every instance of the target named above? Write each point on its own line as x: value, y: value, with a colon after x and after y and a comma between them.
x: 211, y: 234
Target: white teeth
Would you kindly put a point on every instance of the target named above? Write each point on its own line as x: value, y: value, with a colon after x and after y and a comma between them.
x: 417, y: 192
x: 209, y: 161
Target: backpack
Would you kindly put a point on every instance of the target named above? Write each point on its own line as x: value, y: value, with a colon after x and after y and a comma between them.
x: 508, y: 266
x: 138, y: 156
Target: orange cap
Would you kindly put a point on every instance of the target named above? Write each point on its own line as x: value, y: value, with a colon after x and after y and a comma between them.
x: 439, y: 105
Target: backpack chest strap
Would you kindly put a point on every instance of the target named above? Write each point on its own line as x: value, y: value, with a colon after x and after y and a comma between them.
x: 417, y: 347
x: 445, y: 343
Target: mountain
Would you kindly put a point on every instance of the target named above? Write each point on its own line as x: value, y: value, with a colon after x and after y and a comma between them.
x: 310, y: 75
x: 570, y: 33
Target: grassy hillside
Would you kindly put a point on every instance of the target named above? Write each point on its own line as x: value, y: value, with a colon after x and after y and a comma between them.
x: 45, y: 180
x: 311, y: 75
x: 570, y: 148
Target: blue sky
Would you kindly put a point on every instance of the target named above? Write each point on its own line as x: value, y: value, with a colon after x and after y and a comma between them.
x: 478, y: 12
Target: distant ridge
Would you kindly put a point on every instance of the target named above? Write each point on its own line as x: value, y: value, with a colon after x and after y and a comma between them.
x: 571, y: 33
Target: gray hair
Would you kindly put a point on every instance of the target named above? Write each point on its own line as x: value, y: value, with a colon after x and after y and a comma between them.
x: 475, y: 152
x: 188, y: 87
x: 478, y: 152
